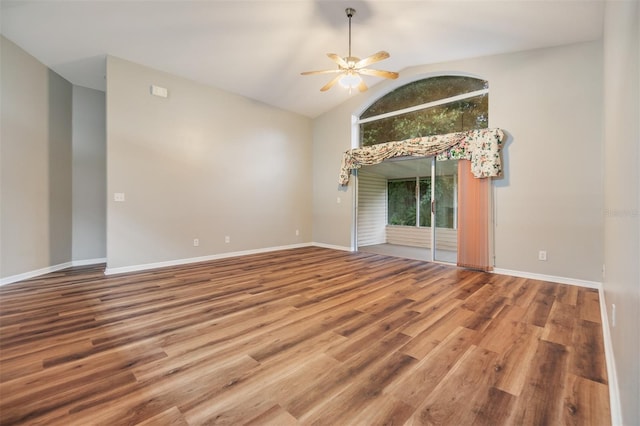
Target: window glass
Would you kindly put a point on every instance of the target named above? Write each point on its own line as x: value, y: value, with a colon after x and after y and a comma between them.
x: 450, y: 116
x: 424, y: 91
x: 445, y: 204
x: 467, y: 114
x: 402, y: 202
x: 425, y: 202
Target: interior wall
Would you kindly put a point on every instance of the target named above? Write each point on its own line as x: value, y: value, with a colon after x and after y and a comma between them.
x: 622, y: 185
x: 549, y: 101
x: 333, y: 204
x: 89, y: 175
x: 200, y: 164
x: 35, y: 156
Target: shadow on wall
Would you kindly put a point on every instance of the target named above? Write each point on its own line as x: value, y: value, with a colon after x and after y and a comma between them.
x: 503, y: 181
x: 60, y: 168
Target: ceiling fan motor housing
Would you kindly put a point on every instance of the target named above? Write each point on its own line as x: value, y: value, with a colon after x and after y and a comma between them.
x: 352, y: 61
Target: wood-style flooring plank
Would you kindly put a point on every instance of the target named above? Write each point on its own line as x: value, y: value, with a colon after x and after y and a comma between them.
x: 463, y: 385
x: 363, y: 391
x: 582, y: 399
x: 516, y: 344
x: 301, y: 336
x: 423, y: 378
x: 541, y: 401
x: 561, y: 323
x: 587, y: 357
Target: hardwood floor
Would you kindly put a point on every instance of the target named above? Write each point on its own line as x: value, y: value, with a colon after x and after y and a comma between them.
x: 304, y: 336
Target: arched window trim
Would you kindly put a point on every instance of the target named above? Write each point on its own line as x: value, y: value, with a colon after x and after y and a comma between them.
x: 403, y: 81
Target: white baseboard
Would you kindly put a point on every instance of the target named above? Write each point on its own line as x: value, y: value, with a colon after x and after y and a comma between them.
x: 49, y: 269
x: 33, y: 274
x: 135, y: 268
x: 614, y: 390
x: 155, y: 265
x: 550, y: 278
x: 331, y: 246
x: 86, y: 262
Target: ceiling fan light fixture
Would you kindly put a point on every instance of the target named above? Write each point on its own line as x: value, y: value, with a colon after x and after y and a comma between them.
x: 350, y: 80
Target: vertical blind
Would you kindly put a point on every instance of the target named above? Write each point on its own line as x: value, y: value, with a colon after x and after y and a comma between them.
x: 473, y: 219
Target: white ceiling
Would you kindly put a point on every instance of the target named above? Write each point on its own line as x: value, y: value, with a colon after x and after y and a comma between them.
x: 257, y: 48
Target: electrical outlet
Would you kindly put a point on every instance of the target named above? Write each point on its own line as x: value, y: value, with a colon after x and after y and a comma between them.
x: 118, y: 196
x: 542, y: 255
x: 227, y: 239
x: 297, y: 232
x: 196, y: 242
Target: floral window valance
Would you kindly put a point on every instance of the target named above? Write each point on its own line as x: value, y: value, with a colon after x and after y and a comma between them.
x: 480, y: 146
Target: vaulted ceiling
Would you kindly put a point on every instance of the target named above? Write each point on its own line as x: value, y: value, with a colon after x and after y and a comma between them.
x: 257, y: 48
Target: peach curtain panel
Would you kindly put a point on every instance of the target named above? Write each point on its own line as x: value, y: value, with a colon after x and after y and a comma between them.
x: 473, y: 219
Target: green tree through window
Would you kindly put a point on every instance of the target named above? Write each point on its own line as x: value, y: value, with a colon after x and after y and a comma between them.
x: 455, y: 116
x: 402, y: 202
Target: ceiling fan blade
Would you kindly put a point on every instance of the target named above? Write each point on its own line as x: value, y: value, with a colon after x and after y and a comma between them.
x: 362, y: 86
x: 330, y: 84
x: 378, y: 73
x: 321, y: 72
x: 376, y: 57
x: 338, y: 60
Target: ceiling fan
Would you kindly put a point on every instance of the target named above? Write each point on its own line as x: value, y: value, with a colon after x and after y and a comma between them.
x: 350, y: 68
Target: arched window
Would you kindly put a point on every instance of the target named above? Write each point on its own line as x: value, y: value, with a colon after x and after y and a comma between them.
x: 436, y: 105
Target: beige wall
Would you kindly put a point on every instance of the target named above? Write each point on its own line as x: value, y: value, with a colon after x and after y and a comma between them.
x: 35, y: 155
x: 621, y: 186
x: 332, y: 220
x: 550, y: 103
x: 202, y: 163
x: 89, y: 175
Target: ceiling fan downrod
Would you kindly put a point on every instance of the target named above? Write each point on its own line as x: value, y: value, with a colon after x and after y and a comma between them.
x: 350, y: 12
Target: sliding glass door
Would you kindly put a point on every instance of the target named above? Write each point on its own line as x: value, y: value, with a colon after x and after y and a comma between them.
x: 445, y: 211
x: 409, y: 206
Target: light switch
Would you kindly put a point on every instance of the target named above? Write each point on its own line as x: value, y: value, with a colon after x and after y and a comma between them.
x: 118, y: 196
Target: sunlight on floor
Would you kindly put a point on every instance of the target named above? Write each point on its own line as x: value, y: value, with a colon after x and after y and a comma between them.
x: 418, y: 253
